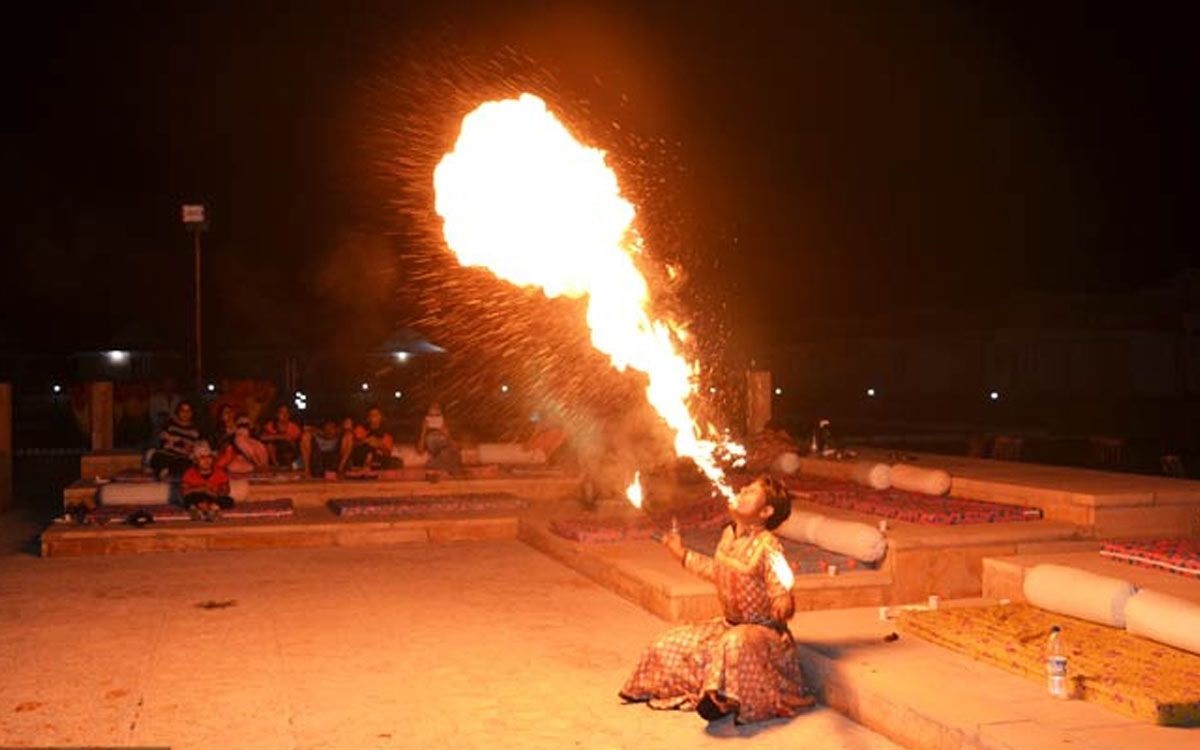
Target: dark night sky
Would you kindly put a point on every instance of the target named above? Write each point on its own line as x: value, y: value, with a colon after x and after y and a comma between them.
x: 826, y: 159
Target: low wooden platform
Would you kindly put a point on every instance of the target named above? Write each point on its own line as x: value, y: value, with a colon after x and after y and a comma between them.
x: 921, y: 560
x: 315, y: 493
x: 1104, y: 504
x: 1004, y: 577
x: 644, y: 573
x: 926, y: 697
x: 310, y: 527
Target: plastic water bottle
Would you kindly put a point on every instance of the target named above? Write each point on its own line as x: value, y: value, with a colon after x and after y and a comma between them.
x: 1056, y: 664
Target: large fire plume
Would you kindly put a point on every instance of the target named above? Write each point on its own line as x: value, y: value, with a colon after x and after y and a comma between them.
x: 520, y: 196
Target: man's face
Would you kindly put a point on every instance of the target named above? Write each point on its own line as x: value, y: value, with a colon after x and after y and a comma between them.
x: 375, y: 418
x: 204, y: 462
x: 329, y: 430
x: 184, y: 412
x: 282, y: 415
x: 750, y: 505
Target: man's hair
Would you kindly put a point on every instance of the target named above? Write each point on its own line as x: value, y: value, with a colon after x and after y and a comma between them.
x: 778, y: 498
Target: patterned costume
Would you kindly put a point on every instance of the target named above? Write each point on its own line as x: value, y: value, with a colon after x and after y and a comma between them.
x: 746, y: 659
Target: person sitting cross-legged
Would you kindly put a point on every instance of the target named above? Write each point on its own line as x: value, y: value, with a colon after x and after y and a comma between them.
x: 326, y: 450
x: 175, y: 443
x: 373, y: 444
x: 282, y: 438
x: 205, y: 486
x: 745, y: 662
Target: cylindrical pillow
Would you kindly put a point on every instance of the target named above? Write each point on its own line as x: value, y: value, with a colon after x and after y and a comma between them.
x: 915, y: 479
x: 874, y: 475
x: 787, y: 463
x: 410, y: 456
x: 509, y: 453
x: 135, y: 493
x: 1166, y: 619
x: 857, y: 540
x: 1078, y: 593
x: 239, y: 489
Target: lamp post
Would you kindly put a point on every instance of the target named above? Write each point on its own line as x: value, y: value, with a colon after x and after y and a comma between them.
x: 196, y: 221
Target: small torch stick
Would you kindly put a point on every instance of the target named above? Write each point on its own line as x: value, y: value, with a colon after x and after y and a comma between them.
x: 634, y: 494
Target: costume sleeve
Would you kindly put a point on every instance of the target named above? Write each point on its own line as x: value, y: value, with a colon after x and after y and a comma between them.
x: 700, y: 564
x: 771, y: 549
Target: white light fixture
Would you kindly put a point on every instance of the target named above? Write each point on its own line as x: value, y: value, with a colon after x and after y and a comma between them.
x: 778, y: 391
x: 402, y: 356
x: 504, y: 388
x: 212, y: 388
x: 871, y: 392
x: 117, y: 356
x: 712, y: 389
x: 398, y: 394
x: 56, y: 388
x: 994, y: 395
x: 365, y: 386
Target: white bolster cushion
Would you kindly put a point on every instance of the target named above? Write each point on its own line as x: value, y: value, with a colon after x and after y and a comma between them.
x: 1166, y: 619
x: 851, y: 538
x: 509, y: 453
x: 874, y: 475
x: 135, y: 493
x: 787, y: 462
x: 239, y: 489
x: 915, y: 479
x: 410, y: 456
x: 1078, y: 593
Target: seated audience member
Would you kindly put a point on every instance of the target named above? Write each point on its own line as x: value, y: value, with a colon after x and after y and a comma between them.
x: 282, y: 437
x: 435, y: 441
x: 226, y: 429
x: 373, y: 444
x: 175, y: 443
x: 205, y: 486
x: 244, y: 453
x: 326, y: 449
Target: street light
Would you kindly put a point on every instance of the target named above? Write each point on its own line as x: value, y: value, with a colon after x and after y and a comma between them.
x: 195, y: 220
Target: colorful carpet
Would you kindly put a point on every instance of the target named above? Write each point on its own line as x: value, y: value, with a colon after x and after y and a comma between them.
x: 1180, y: 556
x: 700, y: 533
x: 1106, y: 666
x: 164, y: 513
x: 427, y: 505
x: 911, y: 507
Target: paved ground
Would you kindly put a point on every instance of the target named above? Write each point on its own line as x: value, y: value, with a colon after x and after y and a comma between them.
x: 488, y: 645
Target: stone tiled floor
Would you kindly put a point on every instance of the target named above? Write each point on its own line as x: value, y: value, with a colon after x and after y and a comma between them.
x: 468, y: 645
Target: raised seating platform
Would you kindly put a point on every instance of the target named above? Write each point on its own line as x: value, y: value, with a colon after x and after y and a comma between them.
x: 926, y: 697
x: 1004, y: 576
x: 921, y: 560
x: 310, y: 527
x: 314, y: 493
x: 1104, y: 504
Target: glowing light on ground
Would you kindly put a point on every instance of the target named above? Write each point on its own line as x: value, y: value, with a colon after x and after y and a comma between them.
x: 520, y: 196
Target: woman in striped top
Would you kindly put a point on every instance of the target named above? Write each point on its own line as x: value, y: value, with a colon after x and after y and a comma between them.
x: 175, y: 443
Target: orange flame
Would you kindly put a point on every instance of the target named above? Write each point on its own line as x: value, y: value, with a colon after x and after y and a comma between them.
x: 520, y: 196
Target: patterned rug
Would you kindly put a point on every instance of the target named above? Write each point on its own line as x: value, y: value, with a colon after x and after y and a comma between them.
x: 164, y: 513
x: 700, y: 534
x: 911, y: 507
x: 427, y: 505
x: 1179, y: 556
x: 1107, y: 666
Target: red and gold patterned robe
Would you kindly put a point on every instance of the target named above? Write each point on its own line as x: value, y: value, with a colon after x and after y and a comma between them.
x: 746, y: 659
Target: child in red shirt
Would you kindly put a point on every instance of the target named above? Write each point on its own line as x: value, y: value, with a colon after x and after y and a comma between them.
x: 205, y: 486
